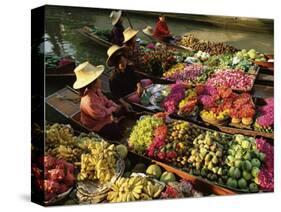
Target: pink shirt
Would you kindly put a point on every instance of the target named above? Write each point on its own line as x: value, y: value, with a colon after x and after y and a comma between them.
x: 96, y: 109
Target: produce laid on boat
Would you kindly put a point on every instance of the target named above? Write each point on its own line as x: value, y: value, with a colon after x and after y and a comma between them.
x: 212, y: 48
x: 234, y: 161
x: 214, y: 105
x: 101, y: 172
x: 155, y: 60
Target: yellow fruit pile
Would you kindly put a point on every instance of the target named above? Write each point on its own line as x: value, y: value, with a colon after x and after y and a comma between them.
x: 174, y: 69
x: 211, y: 116
x: 100, y: 163
x: 60, y: 143
x: 134, y: 188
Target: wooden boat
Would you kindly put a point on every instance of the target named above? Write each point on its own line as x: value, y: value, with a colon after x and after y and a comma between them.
x: 173, y: 45
x: 62, y: 71
x: 67, y: 102
x: 87, y: 32
x: 198, y: 121
x: 266, y: 65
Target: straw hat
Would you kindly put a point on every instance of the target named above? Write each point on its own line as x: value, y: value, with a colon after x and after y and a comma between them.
x: 115, y: 16
x: 148, y: 30
x: 86, y: 73
x: 129, y: 33
x: 111, y: 52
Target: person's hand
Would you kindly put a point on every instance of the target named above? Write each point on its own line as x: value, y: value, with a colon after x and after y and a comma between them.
x: 139, y: 89
x: 128, y: 107
x: 117, y: 108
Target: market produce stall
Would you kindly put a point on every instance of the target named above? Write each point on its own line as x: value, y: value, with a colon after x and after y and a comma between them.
x: 221, y: 107
x: 84, y: 168
x: 235, y: 161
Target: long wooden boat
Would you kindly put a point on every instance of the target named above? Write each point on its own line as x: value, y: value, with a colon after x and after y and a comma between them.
x: 87, y: 32
x: 62, y: 71
x: 67, y: 102
x: 198, y: 121
x: 266, y: 65
x: 173, y: 45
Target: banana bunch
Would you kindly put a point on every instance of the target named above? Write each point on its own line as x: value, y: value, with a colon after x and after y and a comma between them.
x: 59, y: 134
x: 153, y: 190
x: 134, y: 188
x: 61, y: 143
x: 100, y: 163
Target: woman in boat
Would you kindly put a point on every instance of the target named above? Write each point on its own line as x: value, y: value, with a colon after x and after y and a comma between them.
x: 97, y: 112
x: 133, y: 49
x: 116, y: 36
x: 162, y: 31
x: 124, y: 79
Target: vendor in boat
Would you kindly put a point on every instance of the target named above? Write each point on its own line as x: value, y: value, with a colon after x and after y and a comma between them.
x: 116, y: 36
x: 124, y: 79
x: 96, y: 110
x: 162, y: 31
x: 133, y: 49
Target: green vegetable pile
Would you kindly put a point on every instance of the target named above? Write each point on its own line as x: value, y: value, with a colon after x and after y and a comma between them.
x: 102, y: 33
x: 142, y: 133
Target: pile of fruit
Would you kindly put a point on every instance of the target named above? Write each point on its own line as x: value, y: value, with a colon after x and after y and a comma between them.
x: 234, y: 79
x: 61, y: 143
x: 202, y: 56
x: 244, y: 162
x: 156, y: 61
x: 136, y: 187
x: 164, y: 141
x: 188, y: 105
x: 252, y: 54
x: 207, y: 158
x: 191, y: 73
x: 99, y: 163
x: 212, y: 48
x: 142, y: 133
x: 150, y: 183
x: 234, y: 161
x: 230, y: 160
x: 265, y: 117
x: 56, y: 179
x: 222, y: 103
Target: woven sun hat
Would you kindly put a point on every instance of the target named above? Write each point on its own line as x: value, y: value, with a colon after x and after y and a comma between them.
x: 129, y: 33
x: 115, y: 16
x: 112, y: 52
x: 148, y: 30
x: 86, y: 73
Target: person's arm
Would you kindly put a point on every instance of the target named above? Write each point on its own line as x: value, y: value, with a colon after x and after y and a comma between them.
x: 97, y: 111
x: 126, y: 105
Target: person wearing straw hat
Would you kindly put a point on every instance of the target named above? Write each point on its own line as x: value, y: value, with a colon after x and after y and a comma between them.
x: 124, y: 79
x: 96, y: 110
x: 116, y: 36
x: 162, y: 31
x: 130, y: 36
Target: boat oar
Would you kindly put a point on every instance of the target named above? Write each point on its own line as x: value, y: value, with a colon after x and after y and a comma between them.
x: 128, y: 19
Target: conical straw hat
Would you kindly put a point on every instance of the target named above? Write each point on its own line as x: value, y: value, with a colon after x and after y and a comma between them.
x: 111, y: 52
x: 148, y: 30
x: 129, y: 33
x: 86, y: 73
x: 115, y: 16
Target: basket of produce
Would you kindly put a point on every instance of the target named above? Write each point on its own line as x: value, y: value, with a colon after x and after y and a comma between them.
x: 57, y: 180
x: 100, y: 167
x: 212, y: 48
x: 235, y: 161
